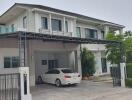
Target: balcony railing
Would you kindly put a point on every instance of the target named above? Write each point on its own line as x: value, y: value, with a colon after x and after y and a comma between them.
x: 4, y: 30
x: 61, y: 33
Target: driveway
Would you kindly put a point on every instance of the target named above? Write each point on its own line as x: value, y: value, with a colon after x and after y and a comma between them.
x: 87, y: 90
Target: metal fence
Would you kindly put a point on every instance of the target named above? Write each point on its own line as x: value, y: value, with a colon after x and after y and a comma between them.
x: 116, y: 76
x: 10, y: 86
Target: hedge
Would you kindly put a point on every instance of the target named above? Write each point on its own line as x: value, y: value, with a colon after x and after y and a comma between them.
x: 129, y: 82
x: 129, y: 70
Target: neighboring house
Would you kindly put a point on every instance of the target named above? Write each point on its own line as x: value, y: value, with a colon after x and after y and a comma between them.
x: 43, y: 54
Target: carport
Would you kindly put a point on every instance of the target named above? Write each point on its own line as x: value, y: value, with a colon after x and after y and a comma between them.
x: 31, y: 45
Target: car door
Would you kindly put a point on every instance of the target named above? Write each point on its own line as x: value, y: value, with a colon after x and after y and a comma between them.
x: 54, y: 76
x: 47, y: 76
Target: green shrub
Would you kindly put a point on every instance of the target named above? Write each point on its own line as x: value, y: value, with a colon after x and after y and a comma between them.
x: 129, y: 82
x: 129, y: 70
x: 87, y: 62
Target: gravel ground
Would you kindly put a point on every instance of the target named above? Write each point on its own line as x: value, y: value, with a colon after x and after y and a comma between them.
x: 87, y: 90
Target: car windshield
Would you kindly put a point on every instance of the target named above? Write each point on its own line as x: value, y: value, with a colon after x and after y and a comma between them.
x: 67, y: 71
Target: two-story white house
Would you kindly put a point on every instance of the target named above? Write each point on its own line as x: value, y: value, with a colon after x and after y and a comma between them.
x: 54, y: 39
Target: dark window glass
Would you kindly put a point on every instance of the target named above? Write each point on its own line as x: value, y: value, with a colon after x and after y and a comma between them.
x: 25, y: 22
x: 52, y: 64
x: 15, y: 62
x: 44, y: 22
x: 12, y: 27
x: 66, y: 71
x: 56, y: 72
x: 66, y: 22
x: 7, y: 62
x: 56, y: 25
x: 104, y: 65
x: 11, y: 62
x: 90, y: 33
x: 44, y: 62
x: 102, y: 34
x: 78, y: 31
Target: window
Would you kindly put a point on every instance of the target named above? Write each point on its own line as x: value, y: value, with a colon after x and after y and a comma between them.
x: 12, y: 28
x: 90, y: 33
x: 66, y: 25
x: 104, y: 65
x: 11, y: 62
x: 102, y: 34
x: 44, y: 62
x: 25, y: 22
x: 56, y: 25
x: 65, y: 71
x: 78, y: 31
x: 52, y: 64
x: 53, y: 72
x: 44, y: 22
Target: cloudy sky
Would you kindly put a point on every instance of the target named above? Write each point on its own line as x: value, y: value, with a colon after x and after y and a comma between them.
x: 117, y: 11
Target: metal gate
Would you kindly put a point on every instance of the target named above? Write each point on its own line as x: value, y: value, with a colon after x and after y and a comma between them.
x: 10, y: 87
x: 116, y: 75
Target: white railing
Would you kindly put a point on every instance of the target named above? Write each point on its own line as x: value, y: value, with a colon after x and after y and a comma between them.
x: 60, y: 33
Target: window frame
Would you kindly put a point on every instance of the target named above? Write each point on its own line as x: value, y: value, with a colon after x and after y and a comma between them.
x: 66, y: 26
x: 78, y: 35
x: 46, y: 23
x: 93, y: 33
x: 12, y: 61
x: 60, y: 24
x: 25, y: 22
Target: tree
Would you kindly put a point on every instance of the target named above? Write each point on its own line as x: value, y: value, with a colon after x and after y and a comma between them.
x: 113, y: 51
x: 87, y: 62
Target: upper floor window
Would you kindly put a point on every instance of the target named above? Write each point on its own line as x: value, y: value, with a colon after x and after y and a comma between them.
x: 102, y: 34
x: 90, y: 33
x: 66, y: 25
x: 25, y: 22
x: 56, y: 25
x: 78, y: 31
x: 44, y: 22
x: 12, y: 28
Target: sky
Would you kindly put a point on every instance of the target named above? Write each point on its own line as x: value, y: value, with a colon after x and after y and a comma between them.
x: 117, y: 11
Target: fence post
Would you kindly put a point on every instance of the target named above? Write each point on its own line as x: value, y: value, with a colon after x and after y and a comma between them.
x: 123, y: 74
x: 24, y: 83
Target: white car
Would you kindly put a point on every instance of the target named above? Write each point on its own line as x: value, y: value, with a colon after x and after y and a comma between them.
x: 61, y: 76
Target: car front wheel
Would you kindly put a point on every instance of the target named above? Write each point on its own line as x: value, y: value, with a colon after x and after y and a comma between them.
x: 58, y: 83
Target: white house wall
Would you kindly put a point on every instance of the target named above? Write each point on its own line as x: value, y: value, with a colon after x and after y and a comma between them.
x: 18, y: 22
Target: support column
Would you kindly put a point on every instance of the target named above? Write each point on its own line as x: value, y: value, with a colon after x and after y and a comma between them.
x: 24, y: 80
x: 64, y: 22
x: 122, y: 66
x: 106, y: 29
x: 123, y: 73
x: 121, y: 31
x: 50, y: 24
x: 78, y: 61
x: 74, y: 29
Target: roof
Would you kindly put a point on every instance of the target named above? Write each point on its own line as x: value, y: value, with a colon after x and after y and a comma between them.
x: 56, y: 38
x: 64, y: 12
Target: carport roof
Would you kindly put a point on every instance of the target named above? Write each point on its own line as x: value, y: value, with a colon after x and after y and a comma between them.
x: 49, y: 37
